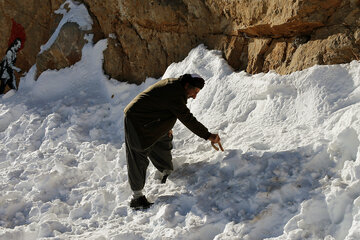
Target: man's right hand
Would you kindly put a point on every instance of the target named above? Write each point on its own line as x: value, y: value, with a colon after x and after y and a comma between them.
x: 214, y: 138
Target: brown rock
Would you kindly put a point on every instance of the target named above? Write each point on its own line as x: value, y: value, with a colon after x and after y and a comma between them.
x: 144, y: 37
x: 236, y: 52
x: 150, y: 35
x: 256, y: 36
x: 277, y: 18
x: 257, y: 49
x: 65, y: 51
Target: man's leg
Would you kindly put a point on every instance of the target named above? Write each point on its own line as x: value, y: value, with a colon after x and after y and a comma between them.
x: 137, y: 161
x: 137, y: 164
x: 160, y: 156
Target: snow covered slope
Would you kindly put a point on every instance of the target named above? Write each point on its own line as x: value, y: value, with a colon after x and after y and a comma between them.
x: 290, y: 170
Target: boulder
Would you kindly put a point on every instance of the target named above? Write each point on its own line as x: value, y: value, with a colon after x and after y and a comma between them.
x: 64, y: 52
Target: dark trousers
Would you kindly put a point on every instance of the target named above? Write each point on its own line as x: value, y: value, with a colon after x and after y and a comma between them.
x: 138, y: 158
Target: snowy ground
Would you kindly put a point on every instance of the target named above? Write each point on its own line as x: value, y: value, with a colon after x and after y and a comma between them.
x: 290, y: 170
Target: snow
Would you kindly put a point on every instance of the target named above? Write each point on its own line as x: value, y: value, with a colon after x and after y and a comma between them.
x: 290, y: 170
x: 72, y: 12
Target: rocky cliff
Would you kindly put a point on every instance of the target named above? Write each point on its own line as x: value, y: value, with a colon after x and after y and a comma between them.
x: 145, y: 36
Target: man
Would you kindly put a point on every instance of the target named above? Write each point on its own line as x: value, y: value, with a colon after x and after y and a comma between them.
x: 149, y: 119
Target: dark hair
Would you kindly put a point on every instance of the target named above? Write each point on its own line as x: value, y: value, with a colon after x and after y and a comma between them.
x: 193, y: 80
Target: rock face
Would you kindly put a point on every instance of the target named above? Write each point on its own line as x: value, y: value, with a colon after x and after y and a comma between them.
x: 64, y: 52
x: 147, y: 36
x: 144, y: 37
x: 255, y: 36
x: 287, y: 36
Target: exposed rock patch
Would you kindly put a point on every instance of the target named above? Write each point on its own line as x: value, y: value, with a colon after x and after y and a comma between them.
x: 65, y: 51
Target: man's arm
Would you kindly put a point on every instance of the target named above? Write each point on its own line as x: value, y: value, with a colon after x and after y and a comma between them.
x: 198, y: 128
x: 182, y: 112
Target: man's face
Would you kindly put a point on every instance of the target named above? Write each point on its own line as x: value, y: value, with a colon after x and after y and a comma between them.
x: 192, y: 92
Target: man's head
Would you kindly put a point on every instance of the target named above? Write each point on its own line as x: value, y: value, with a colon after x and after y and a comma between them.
x: 192, y: 84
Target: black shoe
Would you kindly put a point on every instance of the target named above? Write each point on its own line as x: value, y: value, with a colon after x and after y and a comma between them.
x: 140, y: 203
x: 163, y: 180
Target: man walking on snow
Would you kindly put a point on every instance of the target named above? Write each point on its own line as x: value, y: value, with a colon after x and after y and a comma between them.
x: 149, y: 118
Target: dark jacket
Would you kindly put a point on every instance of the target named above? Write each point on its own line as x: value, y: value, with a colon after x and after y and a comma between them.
x: 154, y: 112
